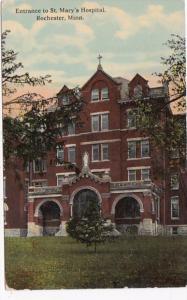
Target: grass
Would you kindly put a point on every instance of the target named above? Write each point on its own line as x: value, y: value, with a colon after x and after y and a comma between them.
x: 60, y: 262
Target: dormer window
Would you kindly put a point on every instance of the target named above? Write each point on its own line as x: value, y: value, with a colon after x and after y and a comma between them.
x: 95, y: 95
x: 65, y: 99
x: 104, y: 94
x: 138, y: 90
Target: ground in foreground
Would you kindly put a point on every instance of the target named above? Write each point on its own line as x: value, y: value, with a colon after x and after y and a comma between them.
x: 60, y: 262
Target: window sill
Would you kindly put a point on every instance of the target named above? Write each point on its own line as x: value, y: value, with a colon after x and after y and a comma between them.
x: 139, y: 158
x: 99, y: 100
x: 94, y: 101
x: 177, y: 218
x: 102, y: 160
x: 95, y: 131
x: 131, y: 128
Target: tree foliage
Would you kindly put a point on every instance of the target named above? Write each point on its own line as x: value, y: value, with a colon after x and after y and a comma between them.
x: 12, y: 78
x: 175, y: 70
x: 91, y: 229
x: 167, y: 131
x: 40, y: 122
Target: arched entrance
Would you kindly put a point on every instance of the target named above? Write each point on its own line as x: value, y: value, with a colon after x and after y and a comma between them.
x: 82, y: 200
x: 49, y: 215
x: 127, y: 214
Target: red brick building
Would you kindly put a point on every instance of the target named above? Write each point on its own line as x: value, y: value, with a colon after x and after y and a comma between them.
x: 119, y: 168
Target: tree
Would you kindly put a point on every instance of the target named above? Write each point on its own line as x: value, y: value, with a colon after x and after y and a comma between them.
x: 11, y: 79
x: 167, y: 131
x: 175, y: 70
x: 36, y: 129
x: 91, y: 229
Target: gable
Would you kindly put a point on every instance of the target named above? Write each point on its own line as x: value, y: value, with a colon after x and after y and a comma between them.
x: 99, y: 74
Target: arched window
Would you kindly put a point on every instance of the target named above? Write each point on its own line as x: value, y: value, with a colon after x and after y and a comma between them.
x: 104, y: 93
x: 95, y: 95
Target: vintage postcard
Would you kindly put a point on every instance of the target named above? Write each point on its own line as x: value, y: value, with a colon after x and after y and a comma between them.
x: 94, y: 145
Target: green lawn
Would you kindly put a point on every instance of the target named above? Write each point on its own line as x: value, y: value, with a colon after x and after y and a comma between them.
x: 60, y: 262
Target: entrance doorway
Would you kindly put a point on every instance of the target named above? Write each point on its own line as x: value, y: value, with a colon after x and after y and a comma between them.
x: 50, y: 218
x: 127, y: 215
x: 82, y: 200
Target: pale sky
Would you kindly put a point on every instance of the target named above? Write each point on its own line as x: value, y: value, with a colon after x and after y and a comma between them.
x: 129, y: 36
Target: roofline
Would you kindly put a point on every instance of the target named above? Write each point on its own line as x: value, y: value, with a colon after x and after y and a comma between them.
x: 111, y: 78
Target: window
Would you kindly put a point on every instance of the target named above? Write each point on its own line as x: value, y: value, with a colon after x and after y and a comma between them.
x: 95, y: 152
x: 131, y: 118
x: 61, y: 128
x: 174, y: 182
x: 60, y: 156
x: 100, y: 122
x: 60, y: 179
x: 175, y: 207
x: 71, y: 154
x: 174, y: 153
x: 145, y: 148
x: 145, y: 174
x: 104, y: 122
x: 95, y: 123
x: 71, y: 128
x: 100, y: 154
x: 104, y: 94
x: 95, y: 95
x: 131, y: 175
x: 104, y: 152
x: 39, y: 183
x: 138, y: 90
x: 40, y: 165
x: 132, y: 149
x: 27, y: 167
x: 65, y: 99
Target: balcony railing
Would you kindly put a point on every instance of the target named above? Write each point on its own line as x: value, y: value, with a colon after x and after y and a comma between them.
x: 45, y: 190
x: 134, y: 185
x: 157, y: 92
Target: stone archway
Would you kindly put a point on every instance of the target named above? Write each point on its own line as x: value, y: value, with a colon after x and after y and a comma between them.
x: 49, y: 217
x: 127, y: 214
x: 82, y: 200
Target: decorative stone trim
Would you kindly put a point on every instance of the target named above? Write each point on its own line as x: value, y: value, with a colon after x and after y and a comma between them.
x: 100, y: 142
x: 105, y: 195
x: 84, y: 188
x: 36, y: 214
x: 125, y: 195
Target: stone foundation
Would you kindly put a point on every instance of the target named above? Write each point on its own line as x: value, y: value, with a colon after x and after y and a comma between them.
x: 62, y: 231
x: 34, y: 230
x: 15, y: 232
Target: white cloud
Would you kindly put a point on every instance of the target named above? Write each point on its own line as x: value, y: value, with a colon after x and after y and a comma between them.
x: 155, y: 15
x: 130, y: 25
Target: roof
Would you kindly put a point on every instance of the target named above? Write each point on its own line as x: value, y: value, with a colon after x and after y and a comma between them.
x: 104, y: 73
x: 138, y: 76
